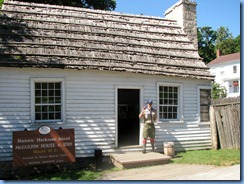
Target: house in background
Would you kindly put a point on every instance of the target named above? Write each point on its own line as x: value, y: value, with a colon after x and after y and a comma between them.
x: 226, y: 69
x: 93, y: 71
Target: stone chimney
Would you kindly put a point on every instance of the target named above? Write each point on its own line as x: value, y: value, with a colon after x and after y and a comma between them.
x: 184, y: 12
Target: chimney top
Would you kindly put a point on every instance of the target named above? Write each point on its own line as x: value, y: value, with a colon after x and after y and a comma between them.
x: 184, y: 12
x: 218, y: 53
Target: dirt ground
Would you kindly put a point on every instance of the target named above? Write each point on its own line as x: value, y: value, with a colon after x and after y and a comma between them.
x: 176, y: 172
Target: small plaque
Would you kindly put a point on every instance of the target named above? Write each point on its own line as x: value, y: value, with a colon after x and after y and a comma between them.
x: 44, y: 130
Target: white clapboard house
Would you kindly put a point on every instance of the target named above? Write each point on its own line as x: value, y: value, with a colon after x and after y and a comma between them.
x: 226, y: 69
x: 94, y: 70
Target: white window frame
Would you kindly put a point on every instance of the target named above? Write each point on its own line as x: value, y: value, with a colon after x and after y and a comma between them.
x: 35, y: 80
x: 180, y: 102
x: 199, y: 102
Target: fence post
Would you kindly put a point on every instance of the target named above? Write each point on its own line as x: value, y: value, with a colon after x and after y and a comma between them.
x: 213, y: 127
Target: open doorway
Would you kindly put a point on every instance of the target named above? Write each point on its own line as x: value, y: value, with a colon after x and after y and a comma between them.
x: 128, y: 121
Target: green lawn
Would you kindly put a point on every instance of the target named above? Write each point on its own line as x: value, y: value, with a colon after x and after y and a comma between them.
x: 223, y: 157
x: 70, y: 175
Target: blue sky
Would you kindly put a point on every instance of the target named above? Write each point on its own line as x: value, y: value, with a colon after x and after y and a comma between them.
x: 213, y: 13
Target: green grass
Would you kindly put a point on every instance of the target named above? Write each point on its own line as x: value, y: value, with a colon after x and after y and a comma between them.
x: 71, y: 175
x: 223, y: 157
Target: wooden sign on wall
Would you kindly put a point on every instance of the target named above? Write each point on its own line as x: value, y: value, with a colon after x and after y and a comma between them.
x: 43, y: 146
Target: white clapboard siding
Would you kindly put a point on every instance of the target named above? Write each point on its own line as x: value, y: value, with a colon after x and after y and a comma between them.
x: 90, y: 108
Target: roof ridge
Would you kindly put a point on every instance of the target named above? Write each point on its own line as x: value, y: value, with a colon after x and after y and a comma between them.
x: 20, y: 3
x: 95, y: 18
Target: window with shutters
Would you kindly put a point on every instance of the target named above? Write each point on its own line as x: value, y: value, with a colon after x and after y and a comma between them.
x: 204, y: 104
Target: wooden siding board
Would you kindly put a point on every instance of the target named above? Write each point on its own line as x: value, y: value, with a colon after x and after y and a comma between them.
x: 94, y: 125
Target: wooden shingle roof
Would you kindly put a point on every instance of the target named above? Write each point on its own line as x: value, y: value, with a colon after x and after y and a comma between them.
x: 41, y: 35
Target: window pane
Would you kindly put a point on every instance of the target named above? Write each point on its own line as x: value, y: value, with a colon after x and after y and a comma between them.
x: 58, y: 100
x: 165, y: 95
x: 57, y: 108
x: 160, y: 95
x: 51, y: 93
x: 44, y: 116
x: 44, y: 85
x: 175, y: 109
x: 44, y: 92
x: 234, y: 69
x: 51, y: 86
x: 58, y: 85
x: 38, y: 100
x: 57, y: 93
x: 170, y: 95
x: 165, y: 109
x: 38, y: 116
x: 51, y: 109
x: 44, y: 109
x: 44, y: 100
x: 51, y: 116
x: 58, y: 116
x: 37, y: 85
x: 38, y: 92
x: 38, y: 109
x: 166, y: 101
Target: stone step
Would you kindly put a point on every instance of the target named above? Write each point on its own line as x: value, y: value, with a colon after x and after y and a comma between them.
x: 137, y: 159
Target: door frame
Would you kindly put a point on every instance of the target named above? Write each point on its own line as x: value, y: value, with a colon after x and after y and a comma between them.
x: 116, y: 110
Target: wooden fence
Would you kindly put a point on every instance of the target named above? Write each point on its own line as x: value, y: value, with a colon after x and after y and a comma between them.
x: 225, y: 123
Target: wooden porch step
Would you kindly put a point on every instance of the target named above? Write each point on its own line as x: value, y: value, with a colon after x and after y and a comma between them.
x: 137, y: 159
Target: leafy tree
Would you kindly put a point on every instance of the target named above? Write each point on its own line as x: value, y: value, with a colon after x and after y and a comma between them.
x: 1, y: 3
x: 218, y: 91
x: 206, y: 43
x: 238, y: 44
x: 223, y: 33
x: 209, y: 41
x: 98, y: 4
x: 226, y: 42
x: 93, y: 4
x: 228, y: 46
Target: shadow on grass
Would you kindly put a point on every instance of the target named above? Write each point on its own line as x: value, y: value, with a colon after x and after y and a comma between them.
x: 82, y: 169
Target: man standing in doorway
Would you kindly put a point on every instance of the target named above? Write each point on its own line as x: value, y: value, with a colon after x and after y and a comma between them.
x: 149, y: 116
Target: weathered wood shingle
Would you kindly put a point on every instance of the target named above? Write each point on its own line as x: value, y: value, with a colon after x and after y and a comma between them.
x: 41, y: 35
